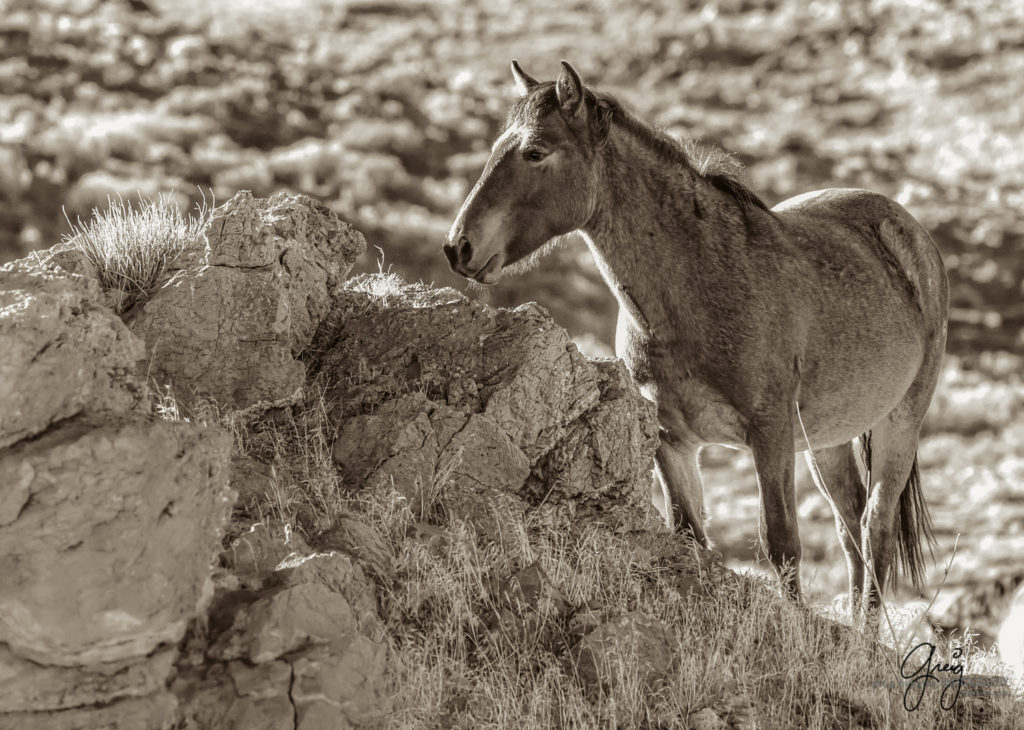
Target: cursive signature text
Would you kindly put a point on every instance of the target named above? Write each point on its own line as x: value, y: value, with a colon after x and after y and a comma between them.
x: 919, y: 667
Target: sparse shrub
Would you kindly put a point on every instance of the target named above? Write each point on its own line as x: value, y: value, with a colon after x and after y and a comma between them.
x: 132, y: 247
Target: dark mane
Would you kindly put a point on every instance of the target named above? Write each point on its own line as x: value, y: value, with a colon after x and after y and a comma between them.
x: 713, y: 165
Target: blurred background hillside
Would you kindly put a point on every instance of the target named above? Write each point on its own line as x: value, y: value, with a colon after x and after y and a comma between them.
x: 385, y: 110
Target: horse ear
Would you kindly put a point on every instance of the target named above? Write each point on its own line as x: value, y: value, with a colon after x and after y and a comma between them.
x: 524, y: 82
x: 569, y: 89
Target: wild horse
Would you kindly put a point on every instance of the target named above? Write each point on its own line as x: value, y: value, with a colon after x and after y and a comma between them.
x: 803, y: 326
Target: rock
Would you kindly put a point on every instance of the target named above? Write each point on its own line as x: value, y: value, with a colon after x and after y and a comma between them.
x: 341, y: 684
x: 527, y: 601
x: 706, y: 719
x: 440, y: 396
x: 26, y: 686
x: 109, y: 557
x: 356, y: 538
x: 530, y: 589
x: 256, y: 553
x: 489, y: 512
x: 236, y: 696
x: 231, y: 327
x: 252, y: 480
x: 394, y: 445
x: 341, y: 575
x: 155, y: 712
x: 290, y: 619
x: 611, y: 653
x: 514, y: 366
x: 604, y: 458
x: 63, y: 354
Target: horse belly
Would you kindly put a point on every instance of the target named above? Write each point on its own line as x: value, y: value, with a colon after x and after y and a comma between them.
x: 849, y: 395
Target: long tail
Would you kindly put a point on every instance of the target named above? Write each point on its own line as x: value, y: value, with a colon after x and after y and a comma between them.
x: 914, y: 526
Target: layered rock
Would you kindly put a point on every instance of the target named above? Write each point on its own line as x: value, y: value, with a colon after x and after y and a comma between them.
x: 429, y: 385
x: 109, y: 519
x: 231, y: 323
x: 63, y: 352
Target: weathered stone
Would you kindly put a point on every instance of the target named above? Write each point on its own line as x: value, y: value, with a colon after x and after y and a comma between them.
x: 340, y: 574
x: 395, y: 445
x: 255, y: 554
x: 706, y: 719
x: 236, y: 696
x: 606, y: 455
x: 366, y: 545
x: 631, y: 645
x: 482, y: 455
x: 514, y: 366
x: 439, y: 395
x: 530, y: 589
x: 232, y: 328
x: 26, y: 686
x: 155, y: 712
x: 298, y: 616
x: 527, y: 601
x: 63, y: 354
x: 251, y: 480
x: 340, y: 684
x: 110, y: 555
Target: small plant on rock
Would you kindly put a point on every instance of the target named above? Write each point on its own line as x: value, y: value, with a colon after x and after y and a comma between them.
x: 133, y: 246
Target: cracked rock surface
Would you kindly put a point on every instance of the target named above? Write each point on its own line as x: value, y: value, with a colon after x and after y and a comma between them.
x: 498, y: 402
x: 232, y: 322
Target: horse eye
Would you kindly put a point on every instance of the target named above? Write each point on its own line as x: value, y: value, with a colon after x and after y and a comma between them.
x: 534, y: 155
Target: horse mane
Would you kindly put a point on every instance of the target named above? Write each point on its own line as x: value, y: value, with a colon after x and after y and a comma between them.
x: 711, y: 164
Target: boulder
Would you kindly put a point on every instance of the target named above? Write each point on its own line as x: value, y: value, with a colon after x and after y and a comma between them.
x: 305, y: 648
x: 232, y: 323
x: 64, y: 353
x: 632, y: 648
x: 106, y: 555
x: 436, y: 394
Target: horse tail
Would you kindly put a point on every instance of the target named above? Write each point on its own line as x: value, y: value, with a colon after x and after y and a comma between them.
x: 914, y: 525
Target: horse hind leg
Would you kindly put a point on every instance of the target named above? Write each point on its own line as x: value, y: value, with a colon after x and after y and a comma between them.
x: 896, y: 521
x: 837, y: 475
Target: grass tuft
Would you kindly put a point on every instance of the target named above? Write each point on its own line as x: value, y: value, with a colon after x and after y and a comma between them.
x: 133, y: 246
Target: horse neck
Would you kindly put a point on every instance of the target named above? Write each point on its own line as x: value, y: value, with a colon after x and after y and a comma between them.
x: 651, y: 231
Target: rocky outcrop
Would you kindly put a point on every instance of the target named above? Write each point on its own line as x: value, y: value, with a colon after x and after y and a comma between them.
x: 63, y: 352
x: 109, y: 518
x: 112, y: 611
x: 428, y: 384
x: 231, y: 323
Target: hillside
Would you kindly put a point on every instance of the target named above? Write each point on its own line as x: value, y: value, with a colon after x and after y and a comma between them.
x: 266, y: 495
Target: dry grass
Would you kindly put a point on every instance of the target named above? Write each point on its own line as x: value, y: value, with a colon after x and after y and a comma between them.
x: 741, y: 652
x: 133, y: 246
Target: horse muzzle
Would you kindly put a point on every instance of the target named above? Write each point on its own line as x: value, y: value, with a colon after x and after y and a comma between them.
x: 460, y: 258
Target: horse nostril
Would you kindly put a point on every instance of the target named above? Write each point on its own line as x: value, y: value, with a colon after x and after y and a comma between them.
x: 450, y: 252
x: 465, y: 250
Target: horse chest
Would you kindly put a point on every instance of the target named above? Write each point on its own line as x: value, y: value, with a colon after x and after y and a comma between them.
x: 688, y: 407
x: 690, y: 403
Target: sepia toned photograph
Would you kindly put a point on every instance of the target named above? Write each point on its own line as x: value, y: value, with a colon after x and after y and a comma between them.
x: 446, y: 364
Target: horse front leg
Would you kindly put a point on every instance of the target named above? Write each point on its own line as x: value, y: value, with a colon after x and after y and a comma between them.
x: 677, y: 472
x: 772, y: 447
